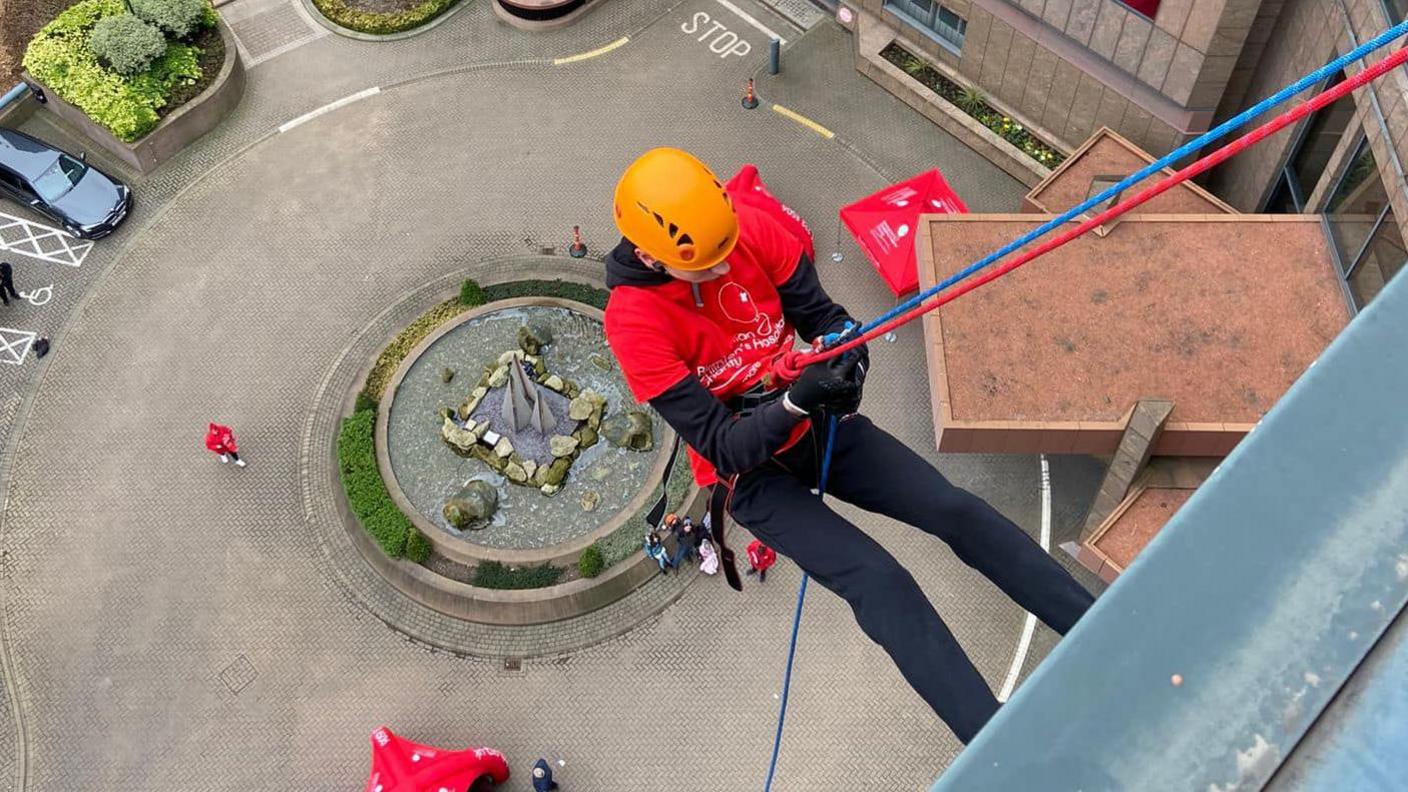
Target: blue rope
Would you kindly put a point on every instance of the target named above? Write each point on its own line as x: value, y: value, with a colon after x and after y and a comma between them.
x: 797, y: 616
x: 1191, y: 146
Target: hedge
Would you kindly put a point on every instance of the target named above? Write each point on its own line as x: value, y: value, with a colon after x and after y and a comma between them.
x: 60, y: 56
x: 126, y: 43
x: 340, y: 13
x: 591, y: 563
x: 177, y: 18
x: 971, y: 102
x: 366, y: 492
x: 471, y: 294
x: 561, y: 289
x: 492, y: 574
x: 417, y: 547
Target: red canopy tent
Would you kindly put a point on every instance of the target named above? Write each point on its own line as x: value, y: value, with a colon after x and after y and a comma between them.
x: 747, y: 187
x: 399, y: 765
x: 884, y: 225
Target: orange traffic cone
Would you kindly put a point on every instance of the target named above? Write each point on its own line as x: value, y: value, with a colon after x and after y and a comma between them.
x: 578, y: 248
x: 750, y: 101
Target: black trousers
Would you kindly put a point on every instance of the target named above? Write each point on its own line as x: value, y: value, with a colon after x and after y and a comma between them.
x: 7, y: 283
x: 878, y: 473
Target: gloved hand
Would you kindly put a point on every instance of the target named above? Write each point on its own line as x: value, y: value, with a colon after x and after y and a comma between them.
x: 832, y: 386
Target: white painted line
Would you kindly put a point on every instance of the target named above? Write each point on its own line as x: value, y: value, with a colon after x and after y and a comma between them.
x: 274, y: 53
x: 36, y: 240
x: 329, y: 107
x: 14, y: 345
x: 1020, y: 658
x: 750, y: 20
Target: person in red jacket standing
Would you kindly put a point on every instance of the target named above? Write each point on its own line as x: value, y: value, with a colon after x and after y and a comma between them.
x: 705, y: 295
x: 760, y: 557
x: 221, y: 440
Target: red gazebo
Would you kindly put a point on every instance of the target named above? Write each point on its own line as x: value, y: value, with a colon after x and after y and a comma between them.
x: 884, y: 225
x: 399, y: 765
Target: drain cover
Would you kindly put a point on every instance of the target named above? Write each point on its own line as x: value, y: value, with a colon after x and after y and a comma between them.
x: 238, y: 675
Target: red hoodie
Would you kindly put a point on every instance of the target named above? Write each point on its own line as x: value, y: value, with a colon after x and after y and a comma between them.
x: 760, y: 555
x: 220, y: 439
x: 726, y: 335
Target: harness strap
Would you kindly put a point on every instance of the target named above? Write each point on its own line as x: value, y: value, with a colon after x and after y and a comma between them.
x: 719, y: 497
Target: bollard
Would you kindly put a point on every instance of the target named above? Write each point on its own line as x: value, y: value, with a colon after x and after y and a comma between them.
x: 14, y: 94
x: 578, y: 248
x: 774, y: 56
x: 750, y: 101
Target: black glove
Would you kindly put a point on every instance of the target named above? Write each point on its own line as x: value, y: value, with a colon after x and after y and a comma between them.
x: 832, y: 386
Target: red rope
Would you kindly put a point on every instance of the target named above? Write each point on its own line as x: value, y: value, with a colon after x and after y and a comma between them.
x: 787, y: 367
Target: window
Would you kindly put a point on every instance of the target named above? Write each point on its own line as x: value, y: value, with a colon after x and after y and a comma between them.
x: 59, y: 178
x: 933, y: 19
x: 1395, y: 10
x: 1368, y: 244
x: 1310, y: 154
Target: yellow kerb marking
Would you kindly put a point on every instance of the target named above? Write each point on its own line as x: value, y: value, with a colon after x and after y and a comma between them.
x: 620, y: 42
x: 804, y: 121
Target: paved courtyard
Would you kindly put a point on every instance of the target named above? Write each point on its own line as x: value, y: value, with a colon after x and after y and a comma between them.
x: 172, y: 624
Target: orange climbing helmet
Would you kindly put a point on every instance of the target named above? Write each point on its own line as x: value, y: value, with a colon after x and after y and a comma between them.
x: 673, y: 207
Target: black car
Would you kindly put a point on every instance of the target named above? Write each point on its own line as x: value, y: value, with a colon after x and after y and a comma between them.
x: 85, y: 201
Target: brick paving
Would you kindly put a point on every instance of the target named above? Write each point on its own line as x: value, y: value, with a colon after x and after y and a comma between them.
x: 174, y: 624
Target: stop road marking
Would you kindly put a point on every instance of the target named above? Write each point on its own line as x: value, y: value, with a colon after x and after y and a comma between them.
x: 715, y: 35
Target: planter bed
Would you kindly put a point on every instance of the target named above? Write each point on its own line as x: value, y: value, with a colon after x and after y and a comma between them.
x: 382, y: 17
x: 971, y: 103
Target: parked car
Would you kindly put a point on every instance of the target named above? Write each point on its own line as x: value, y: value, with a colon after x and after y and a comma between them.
x: 85, y: 201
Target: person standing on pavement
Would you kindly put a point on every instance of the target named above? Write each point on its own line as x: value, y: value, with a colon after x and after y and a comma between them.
x: 542, y: 776
x: 7, y: 282
x: 705, y: 295
x: 221, y: 440
x: 760, y: 558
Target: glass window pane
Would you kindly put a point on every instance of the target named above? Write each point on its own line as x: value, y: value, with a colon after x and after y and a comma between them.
x: 1396, y: 10
x: 1355, y: 205
x: 1322, y: 135
x: 1283, y: 200
x: 1383, y: 258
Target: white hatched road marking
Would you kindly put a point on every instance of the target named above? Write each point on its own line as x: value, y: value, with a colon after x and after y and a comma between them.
x: 14, y: 345
x: 750, y: 20
x: 37, y: 240
x: 1020, y: 658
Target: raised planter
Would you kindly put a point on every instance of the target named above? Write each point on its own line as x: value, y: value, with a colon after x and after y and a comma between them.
x: 462, y: 550
x: 538, y: 15
x: 874, y: 37
x: 177, y: 130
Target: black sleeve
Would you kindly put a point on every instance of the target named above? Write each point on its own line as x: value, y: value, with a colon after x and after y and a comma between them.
x: 807, y: 306
x: 732, y: 443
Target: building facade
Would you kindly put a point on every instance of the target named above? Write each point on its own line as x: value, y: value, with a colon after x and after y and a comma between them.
x: 1162, y: 71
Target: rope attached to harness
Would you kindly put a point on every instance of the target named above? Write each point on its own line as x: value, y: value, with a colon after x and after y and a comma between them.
x: 831, y: 422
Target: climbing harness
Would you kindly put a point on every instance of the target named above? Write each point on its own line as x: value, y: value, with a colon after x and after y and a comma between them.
x: 787, y: 367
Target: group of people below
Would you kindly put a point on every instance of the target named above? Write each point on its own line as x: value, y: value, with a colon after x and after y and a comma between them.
x: 695, y: 541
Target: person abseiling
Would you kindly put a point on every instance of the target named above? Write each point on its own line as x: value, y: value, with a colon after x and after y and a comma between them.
x: 704, y: 295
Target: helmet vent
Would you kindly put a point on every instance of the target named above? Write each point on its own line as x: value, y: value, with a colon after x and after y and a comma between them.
x: 685, y: 239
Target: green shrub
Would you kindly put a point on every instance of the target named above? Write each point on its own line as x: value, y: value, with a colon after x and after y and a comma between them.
x: 404, y: 342
x: 492, y: 574
x: 972, y: 100
x: 591, y: 562
x: 417, y: 547
x: 339, y: 12
x: 366, y: 492
x: 565, y: 290
x: 471, y: 293
x: 177, y: 18
x: 364, y: 402
x: 126, y: 43
x: 61, y: 57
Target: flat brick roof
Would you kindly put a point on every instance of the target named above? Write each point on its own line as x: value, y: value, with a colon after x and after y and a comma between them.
x: 1217, y: 313
x: 1108, y: 154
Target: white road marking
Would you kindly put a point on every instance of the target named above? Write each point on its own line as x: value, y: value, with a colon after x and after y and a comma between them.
x: 39, y: 296
x: 14, y: 345
x: 36, y: 240
x: 722, y: 41
x: 329, y: 107
x: 1020, y: 658
x: 750, y: 20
